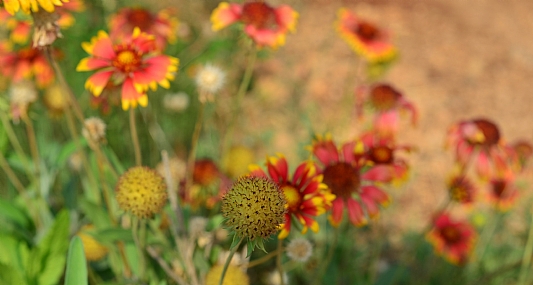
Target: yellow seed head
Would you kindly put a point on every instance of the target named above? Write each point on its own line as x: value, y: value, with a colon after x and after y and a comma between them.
x: 254, y: 207
x: 233, y: 276
x: 141, y: 191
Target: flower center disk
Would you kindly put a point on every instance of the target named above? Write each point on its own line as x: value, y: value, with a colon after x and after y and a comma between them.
x: 381, y: 155
x: 343, y: 179
x: 127, y: 60
x: 258, y: 14
x: 450, y: 234
x: 367, y: 31
x: 140, y: 18
x: 384, y: 97
x: 490, y: 132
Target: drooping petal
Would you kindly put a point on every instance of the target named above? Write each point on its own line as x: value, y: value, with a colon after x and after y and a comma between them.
x: 97, y: 82
x: 355, y: 212
x: 286, y: 18
x: 336, y: 212
x: 100, y: 46
x: 379, y: 173
x: 92, y: 63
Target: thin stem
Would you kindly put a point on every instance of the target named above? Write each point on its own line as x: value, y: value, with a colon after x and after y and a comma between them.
x: 176, y: 219
x: 63, y: 82
x: 137, y: 238
x: 194, y: 146
x: 265, y: 258
x: 278, y: 262
x: 155, y: 255
x: 239, y: 97
x: 331, y: 251
x: 11, y: 175
x: 135, y: 138
x: 228, y: 260
x: 30, y: 131
x: 15, y: 143
x: 528, y: 251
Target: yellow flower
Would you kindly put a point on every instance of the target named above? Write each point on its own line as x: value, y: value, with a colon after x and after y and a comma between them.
x: 233, y: 276
x: 141, y: 191
x: 26, y: 6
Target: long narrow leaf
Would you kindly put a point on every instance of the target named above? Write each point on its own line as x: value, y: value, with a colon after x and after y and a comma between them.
x: 76, y: 273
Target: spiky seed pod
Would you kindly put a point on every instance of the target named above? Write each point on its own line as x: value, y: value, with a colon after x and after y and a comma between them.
x: 254, y: 207
x: 141, y: 191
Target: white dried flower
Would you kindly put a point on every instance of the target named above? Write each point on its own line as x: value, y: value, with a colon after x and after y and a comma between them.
x: 22, y: 92
x: 209, y: 80
x: 177, y: 167
x: 75, y: 161
x: 94, y: 130
x: 197, y: 226
x: 176, y: 102
x: 299, y: 249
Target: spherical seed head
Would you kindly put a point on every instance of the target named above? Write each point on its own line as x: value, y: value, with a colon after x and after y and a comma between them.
x: 141, y: 191
x: 22, y: 93
x: 299, y: 249
x: 176, y: 102
x: 233, y: 276
x: 254, y: 207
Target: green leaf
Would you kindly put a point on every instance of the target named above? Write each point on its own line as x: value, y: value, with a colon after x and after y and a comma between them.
x: 76, y: 273
x: 10, y: 275
x: 12, y: 213
x: 3, y: 140
x: 49, y: 261
x: 112, y: 235
x: 95, y: 213
x: 66, y: 151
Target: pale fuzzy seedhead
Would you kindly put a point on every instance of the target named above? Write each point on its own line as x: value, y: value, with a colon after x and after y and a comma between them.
x: 22, y: 93
x: 177, y: 167
x: 94, y: 130
x: 209, y: 80
x: 299, y: 249
x: 176, y: 102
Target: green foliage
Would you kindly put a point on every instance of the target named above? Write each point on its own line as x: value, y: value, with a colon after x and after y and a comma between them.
x: 76, y: 272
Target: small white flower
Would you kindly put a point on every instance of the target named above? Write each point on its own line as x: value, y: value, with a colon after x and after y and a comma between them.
x: 176, y: 102
x: 210, y: 79
x: 94, y: 130
x: 299, y: 249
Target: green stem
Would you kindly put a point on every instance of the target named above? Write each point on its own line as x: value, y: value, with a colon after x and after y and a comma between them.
x: 239, y: 97
x: 526, y: 259
x: 265, y: 258
x: 135, y: 138
x: 317, y: 279
x: 194, y: 145
x: 11, y: 175
x: 139, y: 234
x: 278, y: 262
x: 16, y: 143
x: 228, y: 260
x: 34, y: 150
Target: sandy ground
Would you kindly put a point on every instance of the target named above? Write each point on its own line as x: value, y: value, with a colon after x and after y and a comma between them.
x: 459, y: 60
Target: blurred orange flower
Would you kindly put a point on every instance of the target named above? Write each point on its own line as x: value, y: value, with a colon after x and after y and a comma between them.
x: 454, y: 240
x: 134, y: 64
x: 265, y: 25
x: 364, y: 37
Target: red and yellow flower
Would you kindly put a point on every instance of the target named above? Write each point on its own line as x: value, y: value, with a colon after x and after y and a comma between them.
x: 306, y: 195
x: 387, y: 104
x: 452, y: 239
x: 162, y: 25
x: 134, y: 64
x: 364, y: 38
x: 461, y: 189
x: 28, y: 6
x: 384, y: 153
x: 265, y: 25
x: 503, y: 191
x: 479, y: 141
x: 25, y: 63
x: 355, y: 184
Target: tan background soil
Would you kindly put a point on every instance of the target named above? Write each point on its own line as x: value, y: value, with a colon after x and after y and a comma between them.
x: 459, y: 60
